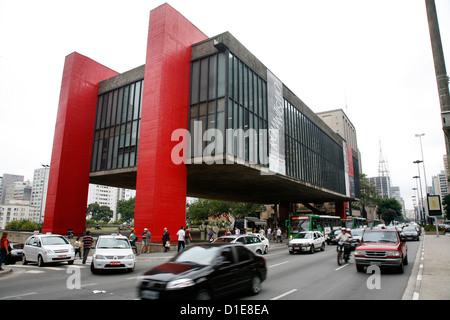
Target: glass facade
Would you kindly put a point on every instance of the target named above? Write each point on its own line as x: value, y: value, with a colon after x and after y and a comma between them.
x: 116, y: 136
x: 311, y: 155
x: 227, y: 94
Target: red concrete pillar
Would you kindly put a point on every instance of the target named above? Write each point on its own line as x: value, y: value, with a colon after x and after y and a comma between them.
x: 72, y: 145
x: 161, y: 185
x: 341, y: 208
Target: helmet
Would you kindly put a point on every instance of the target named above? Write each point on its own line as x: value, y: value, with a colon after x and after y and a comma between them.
x: 343, y: 229
x: 349, y: 230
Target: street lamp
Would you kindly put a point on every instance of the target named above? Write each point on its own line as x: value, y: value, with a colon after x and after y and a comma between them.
x: 420, y: 183
x: 45, y: 166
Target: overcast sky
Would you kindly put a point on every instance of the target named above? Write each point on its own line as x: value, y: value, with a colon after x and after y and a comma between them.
x: 372, y: 58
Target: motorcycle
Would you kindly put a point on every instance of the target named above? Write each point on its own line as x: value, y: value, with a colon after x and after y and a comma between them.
x: 343, y: 252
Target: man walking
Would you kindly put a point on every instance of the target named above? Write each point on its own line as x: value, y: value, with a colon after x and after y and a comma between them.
x: 181, y: 234
x: 87, y: 242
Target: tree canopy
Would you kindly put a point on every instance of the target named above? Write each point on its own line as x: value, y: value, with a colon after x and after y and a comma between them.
x: 205, y: 208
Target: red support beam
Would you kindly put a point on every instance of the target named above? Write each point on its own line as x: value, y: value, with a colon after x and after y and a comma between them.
x: 161, y: 184
x: 72, y: 145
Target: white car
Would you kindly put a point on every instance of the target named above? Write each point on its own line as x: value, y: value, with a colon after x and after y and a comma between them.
x: 112, y: 253
x: 307, y: 241
x: 263, y: 239
x: 47, y: 248
x: 253, y: 243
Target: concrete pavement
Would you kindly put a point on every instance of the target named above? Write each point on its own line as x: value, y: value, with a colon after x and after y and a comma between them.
x: 429, y: 280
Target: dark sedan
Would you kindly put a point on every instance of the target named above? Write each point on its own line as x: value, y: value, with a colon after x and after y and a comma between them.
x: 15, y: 254
x: 205, y: 272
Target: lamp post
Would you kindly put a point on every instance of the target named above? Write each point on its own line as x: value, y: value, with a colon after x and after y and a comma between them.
x: 420, y: 135
x: 420, y: 184
x: 415, y: 208
x: 419, y: 210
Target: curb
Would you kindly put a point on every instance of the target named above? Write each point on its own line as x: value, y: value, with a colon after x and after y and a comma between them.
x: 412, y: 289
x: 6, y: 270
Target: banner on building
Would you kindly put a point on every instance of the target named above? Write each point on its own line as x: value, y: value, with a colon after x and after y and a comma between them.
x: 277, y: 161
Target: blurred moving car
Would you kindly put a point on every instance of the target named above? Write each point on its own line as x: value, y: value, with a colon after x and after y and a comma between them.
x: 253, y: 243
x: 331, y: 238
x: 383, y: 248
x: 307, y: 241
x: 47, y: 248
x: 410, y: 233
x: 16, y: 253
x: 263, y: 239
x: 111, y: 253
x: 204, y: 272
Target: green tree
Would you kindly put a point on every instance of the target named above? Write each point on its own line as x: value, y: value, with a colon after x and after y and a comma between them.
x: 126, y: 209
x: 99, y: 213
x: 205, y: 208
x: 369, y: 195
x: 446, y: 204
x: 390, y: 205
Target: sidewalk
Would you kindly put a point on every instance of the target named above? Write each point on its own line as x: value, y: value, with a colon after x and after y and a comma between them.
x: 430, y: 277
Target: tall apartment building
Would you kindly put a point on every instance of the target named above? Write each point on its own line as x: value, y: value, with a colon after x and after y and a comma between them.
x: 39, y: 193
x: 7, y: 180
x: 109, y: 196
x: 383, y: 185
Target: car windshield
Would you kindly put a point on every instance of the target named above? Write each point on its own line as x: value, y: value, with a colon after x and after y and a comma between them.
x: 357, y: 232
x: 304, y: 236
x: 409, y: 229
x: 380, y: 236
x: 113, y: 243
x: 53, y: 241
x: 203, y: 255
x: 224, y: 240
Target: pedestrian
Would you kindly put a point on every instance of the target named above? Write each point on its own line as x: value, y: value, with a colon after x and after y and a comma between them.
x: 166, y: 240
x: 133, y: 238
x: 279, y: 234
x: 87, y: 242
x: 181, y: 235
x: 144, y: 240
x: 228, y: 232
x: 148, y: 239
x: 77, y: 246
x: 269, y: 235
x: 237, y: 231
x: 4, y: 248
x: 188, y: 237
x: 211, y: 235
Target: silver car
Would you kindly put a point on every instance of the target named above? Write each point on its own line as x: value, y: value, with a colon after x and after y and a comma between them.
x: 253, y: 243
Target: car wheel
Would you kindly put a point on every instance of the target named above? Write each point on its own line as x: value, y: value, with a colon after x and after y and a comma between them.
x: 405, y: 261
x: 266, y: 250
x: 255, y: 285
x: 258, y: 252
x: 359, y: 268
x: 24, y: 260
x: 93, y: 270
x: 203, y: 294
x: 322, y: 248
x: 401, y: 268
x: 70, y: 262
x: 40, y: 261
x: 312, y: 249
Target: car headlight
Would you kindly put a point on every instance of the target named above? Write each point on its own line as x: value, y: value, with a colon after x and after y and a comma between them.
x: 181, y: 283
x: 130, y: 256
x: 393, y: 253
x: 100, y: 257
x: 48, y: 251
x: 360, y: 253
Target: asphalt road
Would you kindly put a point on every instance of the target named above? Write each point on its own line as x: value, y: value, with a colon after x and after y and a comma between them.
x: 290, y: 277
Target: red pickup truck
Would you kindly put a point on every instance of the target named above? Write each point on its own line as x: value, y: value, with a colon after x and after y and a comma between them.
x: 383, y: 248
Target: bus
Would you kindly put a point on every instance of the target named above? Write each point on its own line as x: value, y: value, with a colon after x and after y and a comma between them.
x: 353, y: 222
x: 299, y: 223
x: 248, y: 224
x: 371, y: 223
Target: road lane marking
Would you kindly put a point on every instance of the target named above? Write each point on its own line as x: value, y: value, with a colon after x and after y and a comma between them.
x: 278, y: 264
x: 19, y: 296
x: 341, y: 267
x: 284, y: 294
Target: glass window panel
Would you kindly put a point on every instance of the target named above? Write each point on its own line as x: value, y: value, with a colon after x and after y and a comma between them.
x: 221, y: 76
x: 221, y: 128
x: 131, y: 106
x: 202, y: 110
x: 137, y: 99
x: 125, y: 103
x: 99, y: 111
x: 245, y: 87
x: 212, y: 77
x: 230, y: 114
x: 114, y: 108
x: 195, y: 82
x: 203, y: 79
x: 241, y: 83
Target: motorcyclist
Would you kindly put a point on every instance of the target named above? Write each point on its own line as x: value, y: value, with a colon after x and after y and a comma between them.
x: 345, y: 235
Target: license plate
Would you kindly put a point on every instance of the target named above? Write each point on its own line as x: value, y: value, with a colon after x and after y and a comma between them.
x: 62, y: 256
x: 115, y: 263
x: 297, y: 248
x: 375, y: 264
x: 148, y: 294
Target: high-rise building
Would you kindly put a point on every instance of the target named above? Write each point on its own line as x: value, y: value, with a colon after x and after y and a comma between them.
x: 39, y: 193
x: 7, y: 180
